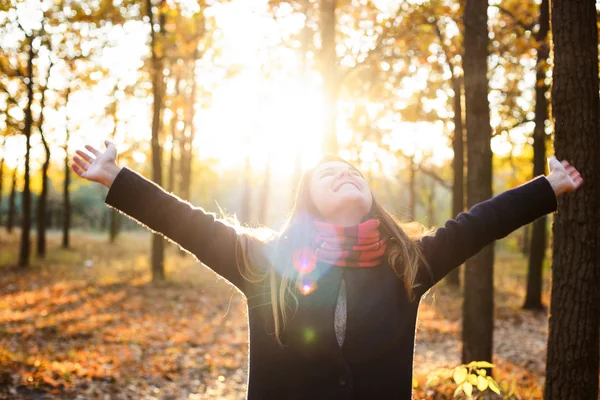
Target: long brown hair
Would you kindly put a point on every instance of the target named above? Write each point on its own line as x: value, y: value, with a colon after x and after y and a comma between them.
x: 403, y: 253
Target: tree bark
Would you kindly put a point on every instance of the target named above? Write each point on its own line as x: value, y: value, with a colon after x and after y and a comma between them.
x: 157, y: 256
x: 478, y: 306
x: 187, y: 150
x: 174, y: 139
x: 43, y: 199
x: 537, y: 247
x: 11, y: 203
x: 573, y: 341
x: 329, y: 73
x: 458, y: 166
x: 246, y: 208
x: 66, y: 195
x: 114, y: 225
x: 1, y: 179
x: 263, y: 214
x: 412, y: 188
x: 26, y: 198
x: 431, y: 203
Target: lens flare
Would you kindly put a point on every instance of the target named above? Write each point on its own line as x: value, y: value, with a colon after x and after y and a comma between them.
x: 309, y: 335
x: 306, y: 286
x: 304, y: 260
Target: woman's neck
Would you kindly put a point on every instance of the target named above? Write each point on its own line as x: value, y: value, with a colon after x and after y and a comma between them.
x: 344, y: 219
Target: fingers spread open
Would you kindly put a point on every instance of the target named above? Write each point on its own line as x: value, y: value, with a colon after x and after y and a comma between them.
x: 77, y: 170
x: 85, y: 156
x: 80, y: 163
x: 92, y: 150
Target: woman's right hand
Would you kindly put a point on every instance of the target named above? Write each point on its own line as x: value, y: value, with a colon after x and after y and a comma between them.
x: 96, y: 166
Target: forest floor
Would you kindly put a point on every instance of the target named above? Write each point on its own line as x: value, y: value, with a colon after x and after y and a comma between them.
x: 87, y: 323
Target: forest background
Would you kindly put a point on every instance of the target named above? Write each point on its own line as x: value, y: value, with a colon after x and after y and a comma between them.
x: 225, y: 104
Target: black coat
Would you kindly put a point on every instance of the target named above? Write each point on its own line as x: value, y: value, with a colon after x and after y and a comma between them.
x: 375, y: 361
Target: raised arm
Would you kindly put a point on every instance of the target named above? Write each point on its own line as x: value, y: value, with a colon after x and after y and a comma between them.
x: 210, y: 240
x: 493, y: 219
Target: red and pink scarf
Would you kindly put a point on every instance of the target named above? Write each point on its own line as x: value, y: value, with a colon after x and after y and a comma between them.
x: 361, y: 245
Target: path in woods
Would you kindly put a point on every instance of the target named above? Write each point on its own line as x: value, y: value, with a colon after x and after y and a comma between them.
x: 87, y: 324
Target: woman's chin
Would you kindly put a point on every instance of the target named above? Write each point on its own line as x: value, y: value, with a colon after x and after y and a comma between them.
x: 353, y: 197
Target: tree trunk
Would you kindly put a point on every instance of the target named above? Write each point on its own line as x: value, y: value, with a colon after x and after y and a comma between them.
x: 43, y: 199
x: 174, y: 140
x: 478, y: 306
x: 66, y: 222
x: 246, y: 208
x: 537, y: 248
x: 329, y: 72
x: 114, y: 216
x: 1, y: 179
x: 158, y: 269
x: 11, y: 203
x: 115, y: 225
x: 412, y: 189
x: 572, y: 367
x: 431, y: 203
x: 264, y: 195
x: 26, y: 198
x: 186, y: 173
x: 458, y: 165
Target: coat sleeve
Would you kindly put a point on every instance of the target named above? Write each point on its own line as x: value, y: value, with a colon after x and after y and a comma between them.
x: 210, y: 240
x: 462, y: 237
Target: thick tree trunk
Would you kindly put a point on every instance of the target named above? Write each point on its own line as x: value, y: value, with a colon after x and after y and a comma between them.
x: 478, y: 306
x: 26, y: 198
x: 329, y: 72
x: 157, y: 256
x: 572, y: 366
x: 537, y: 248
x: 12, y: 203
x: 458, y: 166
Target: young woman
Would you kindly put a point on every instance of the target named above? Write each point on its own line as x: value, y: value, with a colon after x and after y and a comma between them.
x: 332, y: 298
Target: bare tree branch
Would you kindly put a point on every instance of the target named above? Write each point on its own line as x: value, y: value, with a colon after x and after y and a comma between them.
x: 431, y: 173
x: 517, y: 20
x: 427, y: 171
x: 445, y: 49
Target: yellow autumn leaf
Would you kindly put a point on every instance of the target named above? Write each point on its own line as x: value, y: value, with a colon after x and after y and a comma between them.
x: 468, y: 389
x: 460, y: 375
x: 473, y: 379
x: 493, y: 386
x: 482, y: 383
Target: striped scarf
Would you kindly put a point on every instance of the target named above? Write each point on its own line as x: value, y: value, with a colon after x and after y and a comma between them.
x: 355, y: 246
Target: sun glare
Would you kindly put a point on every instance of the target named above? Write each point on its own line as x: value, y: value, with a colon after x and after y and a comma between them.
x: 269, y: 121
x: 265, y: 111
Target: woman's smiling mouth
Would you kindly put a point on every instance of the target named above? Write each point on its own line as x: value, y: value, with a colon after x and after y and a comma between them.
x: 339, y: 185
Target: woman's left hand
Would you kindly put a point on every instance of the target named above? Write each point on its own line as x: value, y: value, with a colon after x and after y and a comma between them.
x: 563, y: 176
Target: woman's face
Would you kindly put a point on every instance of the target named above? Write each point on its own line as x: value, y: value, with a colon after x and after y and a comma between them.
x: 340, y: 193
